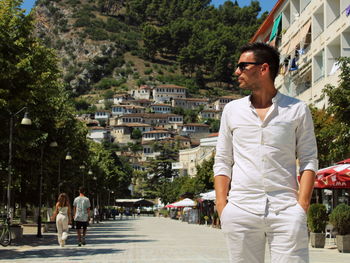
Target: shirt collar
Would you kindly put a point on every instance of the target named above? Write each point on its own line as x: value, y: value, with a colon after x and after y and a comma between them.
x: 275, y: 99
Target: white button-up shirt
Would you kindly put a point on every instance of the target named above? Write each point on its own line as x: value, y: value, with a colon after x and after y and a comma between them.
x: 260, y: 156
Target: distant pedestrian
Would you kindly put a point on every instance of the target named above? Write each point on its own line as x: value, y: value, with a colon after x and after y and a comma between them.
x: 63, y: 217
x: 138, y: 211
x: 96, y: 214
x: 81, y: 215
x: 114, y: 213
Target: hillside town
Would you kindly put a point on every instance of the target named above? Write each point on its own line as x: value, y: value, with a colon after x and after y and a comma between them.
x: 144, y: 116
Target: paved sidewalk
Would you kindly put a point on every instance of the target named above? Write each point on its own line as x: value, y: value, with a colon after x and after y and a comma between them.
x: 140, y: 240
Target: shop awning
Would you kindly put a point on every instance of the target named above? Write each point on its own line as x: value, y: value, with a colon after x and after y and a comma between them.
x: 275, y: 27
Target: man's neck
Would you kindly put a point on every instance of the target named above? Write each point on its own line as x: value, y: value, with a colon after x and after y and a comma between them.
x: 263, y: 98
x: 81, y: 195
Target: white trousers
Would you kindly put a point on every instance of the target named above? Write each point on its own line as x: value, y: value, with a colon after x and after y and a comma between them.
x: 246, y: 234
x: 62, y: 227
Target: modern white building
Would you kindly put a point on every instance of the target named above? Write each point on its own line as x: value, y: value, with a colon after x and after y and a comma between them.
x: 311, y: 36
x: 190, y: 158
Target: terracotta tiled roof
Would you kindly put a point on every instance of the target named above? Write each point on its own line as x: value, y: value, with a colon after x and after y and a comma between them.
x: 133, y: 124
x: 215, y: 111
x: 151, y: 115
x: 166, y: 105
x: 144, y: 87
x: 193, y: 99
x: 195, y: 124
x: 195, y: 142
x: 170, y: 86
x: 97, y: 128
x: 181, y: 138
x: 216, y: 134
x: 141, y: 101
x: 157, y: 131
x: 121, y: 95
x: 128, y: 106
x: 233, y: 96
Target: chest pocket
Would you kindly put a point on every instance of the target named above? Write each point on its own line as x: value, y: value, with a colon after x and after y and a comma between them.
x: 279, y: 134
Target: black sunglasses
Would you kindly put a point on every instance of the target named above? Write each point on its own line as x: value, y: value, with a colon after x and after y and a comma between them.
x: 243, y: 65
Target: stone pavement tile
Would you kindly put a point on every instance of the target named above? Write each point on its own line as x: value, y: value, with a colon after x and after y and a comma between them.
x: 141, y: 240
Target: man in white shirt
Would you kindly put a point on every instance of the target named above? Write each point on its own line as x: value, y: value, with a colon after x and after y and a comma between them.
x: 260, y: 138
x: 81, y: 215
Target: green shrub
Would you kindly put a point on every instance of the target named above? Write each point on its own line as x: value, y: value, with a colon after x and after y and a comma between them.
x: 164, y: 212
x: 113, y: 25
x: 148, y: 71
x: 83, y: 21
x: 106, y: 83
x: 97, y: 23
x: 97, y: 34
x: 317, y: 218
x: 340, y: 219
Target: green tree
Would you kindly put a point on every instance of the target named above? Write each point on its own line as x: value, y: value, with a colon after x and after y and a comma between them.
x: 136, y: 134
x: 333, y: 124
x: 204, y: 179
x: 150, y: 38
x: 160, y: 172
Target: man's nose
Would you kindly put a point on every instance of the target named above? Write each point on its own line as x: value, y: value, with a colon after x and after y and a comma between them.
x: 237, y: 72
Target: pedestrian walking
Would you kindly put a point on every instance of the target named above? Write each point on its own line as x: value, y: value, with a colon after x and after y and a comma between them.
x: 81, y: 215
x: 260, y: 138
x: 138, y: 210
x: 63, y: 217
x: 96, y: 214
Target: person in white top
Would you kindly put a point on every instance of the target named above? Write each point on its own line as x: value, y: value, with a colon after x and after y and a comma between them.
x: 63, y: 217
x: 260, y: 139
x: 81, y: 215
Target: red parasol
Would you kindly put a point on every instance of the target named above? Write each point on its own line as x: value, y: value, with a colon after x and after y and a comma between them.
x: 337, y: 176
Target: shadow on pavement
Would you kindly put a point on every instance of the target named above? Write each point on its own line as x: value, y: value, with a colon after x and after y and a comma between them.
x: 98, y: 235
x: 57, y: 252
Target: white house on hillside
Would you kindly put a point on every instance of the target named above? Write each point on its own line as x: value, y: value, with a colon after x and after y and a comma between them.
x: 189, y: 103
x: 161, y: 108
x: 99, y: 134
x: 126, y: 109
x: 144, y: 92
x: 166, y: 93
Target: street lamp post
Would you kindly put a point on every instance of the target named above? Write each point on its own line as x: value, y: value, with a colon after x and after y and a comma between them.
x: 68, y: 157
x: 52, y: 144
x: 25, y: 121
x: 40, y: 191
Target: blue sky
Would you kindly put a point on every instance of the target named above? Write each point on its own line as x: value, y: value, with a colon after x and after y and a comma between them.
x: 265, y: 5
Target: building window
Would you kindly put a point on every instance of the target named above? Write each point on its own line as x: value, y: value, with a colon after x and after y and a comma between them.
x: 318, y: 66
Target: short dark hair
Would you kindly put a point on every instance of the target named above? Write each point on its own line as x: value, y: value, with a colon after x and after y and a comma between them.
x: 82, y: 189
x: 264, y: 53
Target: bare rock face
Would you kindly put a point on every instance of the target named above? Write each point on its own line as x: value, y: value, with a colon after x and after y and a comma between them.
x: 76, y: 30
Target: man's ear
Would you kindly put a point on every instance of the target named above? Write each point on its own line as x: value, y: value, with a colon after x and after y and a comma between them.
x: 265, y: 68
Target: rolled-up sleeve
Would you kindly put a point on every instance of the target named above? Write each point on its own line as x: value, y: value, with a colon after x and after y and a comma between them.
x: 306, y: 142
x: 224, y: 148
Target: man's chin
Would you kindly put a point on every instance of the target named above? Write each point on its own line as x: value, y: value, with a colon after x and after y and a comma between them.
x: 244, y: 87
